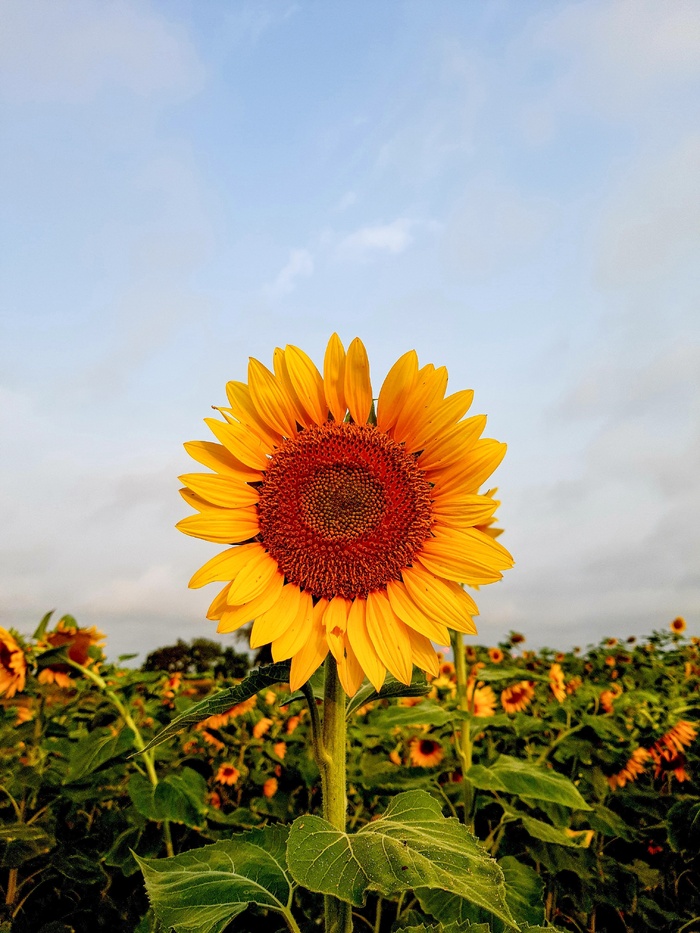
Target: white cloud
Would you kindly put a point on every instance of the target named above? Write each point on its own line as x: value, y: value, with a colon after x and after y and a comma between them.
x: 70, y: 51
x: 392, y: 238
x: 299, y: 265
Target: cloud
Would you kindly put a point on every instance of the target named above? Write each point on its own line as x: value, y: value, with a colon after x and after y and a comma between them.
x: 299, y: 265
x: 246, y: 23
x: 392, y: 238
x: 70, y: 50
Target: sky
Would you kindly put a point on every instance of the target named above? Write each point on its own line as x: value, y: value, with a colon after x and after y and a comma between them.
x: 511, y: 189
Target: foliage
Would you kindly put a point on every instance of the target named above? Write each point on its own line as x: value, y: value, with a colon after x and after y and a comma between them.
x: 583, y: 811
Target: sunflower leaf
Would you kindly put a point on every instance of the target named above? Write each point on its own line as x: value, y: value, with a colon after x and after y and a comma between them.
x: 201, y: 891
x: 218, y: 703
x: 392, y: 689
x: 19, y: 843
x: 530, y: 780
x: 411, y: 846
x: 42, y: 626
x: 498, y: 674
x: 95, y: 750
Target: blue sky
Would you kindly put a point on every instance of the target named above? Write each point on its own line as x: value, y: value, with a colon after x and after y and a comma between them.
x: 511, y: 189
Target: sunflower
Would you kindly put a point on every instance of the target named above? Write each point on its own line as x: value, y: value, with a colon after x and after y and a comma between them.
x: 677, y: 738
x: 227, y: 774
x: 668, y: 761
x: 518, y: 697
x: 13, y: 665
x: 270, y: 787
x: 78, y: 643
x: 482, y: 700
x: 635, y: 766
x: 261, y: 727
x: 556, y: 682
x: 678, y: 625
x: 495, y: 655
x: 348, y: 532
x: 425, y: 753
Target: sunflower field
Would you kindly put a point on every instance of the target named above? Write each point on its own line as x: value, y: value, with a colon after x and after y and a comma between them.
x: 567, y: 782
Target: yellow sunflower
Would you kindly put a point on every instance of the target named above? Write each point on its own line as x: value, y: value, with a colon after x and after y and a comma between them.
x: 348, y: 532
x: 678, y: 625
x: 425, y: 753
x: 13, y: 665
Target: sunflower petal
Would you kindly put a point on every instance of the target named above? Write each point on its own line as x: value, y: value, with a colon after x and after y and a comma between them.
x: 243, y: 409
x: 454, y: 445
x: 222, y: 526
x: 218, y: 605
x: 236, y: 616
x: 428, y: 390
x: 295, y: 637
x: 389, y: 636
x: 362, y: 644
x: 279, y: 362
x: 396, y: 389
x: 242, y: 443
x: 411, y: 615
x: 313, y: 653
x: 350, y: 671
x: 308, y: 384
x: 441, y: 416
x: 217, y: 458
x: 271, y: 624
x: 423, y: 653
x: 437, y: 599
x: 259, y: 574
x: 270, y: 400
x: 221, y: 490
x: 358, y: 388
x: 463, y: 511
x: 468, y: 474
x: 334, y: 378
x: 465, y: 556
x: 224, y: 566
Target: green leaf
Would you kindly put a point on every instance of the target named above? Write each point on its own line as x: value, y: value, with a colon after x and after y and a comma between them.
x: 377, y: 772
x: 41, y: 627
x: 52, y: 656
x: 683, y: 825
x: 425, y: 713
x: 529, y: 780
x: 606, y: 821
x: 391, y: 690
x: 217, y: 703
x: 524, y: 891
x: 95, y: 750
x: 485, y: 778
x: 19, y: 843
x: 498, y: 674
x: 179, y: 797
x: 548, y: 833
x: 202, y: 890
x: 411, y: 846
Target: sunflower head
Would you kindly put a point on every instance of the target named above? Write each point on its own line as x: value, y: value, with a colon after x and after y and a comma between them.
x: 227, y: 774
x: 425, y: 753
x: 678, y: 625
x: 83, y: 646
x: 349, y: 529
x: 13, y: 665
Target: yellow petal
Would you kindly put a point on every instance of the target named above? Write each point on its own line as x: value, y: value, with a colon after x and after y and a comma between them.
x: 216, y: 457
x: 222, y: 526
x: 350, y: 672
x: 459, y: 556
x: 454, y: 445
x: 462, y: 511
x: 429, y: 388
x: 423, y: 653
x: 358, y: 388
x: 236, y: 616
x: 440, y: 417
x: 225, y: 566
x: 271, y: 624
x: 258, y: 575
x: 308, y: 384
x: 314, y: 651
x: 243, y: 409
x: 439, y: 600
x: 242, y: 443
x: 218, y: 606
x: 296, y: 636
x: 279, y: 362
x: 221, y: 490
x: 468, y: 474
x: 396, y: 390
x: 409, y: 613
x: 362, y: 645
x: 269, y: 399
x: 389, y: 636
x: 334, y: 378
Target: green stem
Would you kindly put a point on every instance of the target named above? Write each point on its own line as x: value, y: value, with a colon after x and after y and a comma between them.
x: 464, y: 739
x: 331, y: 756
x: 139, y: 742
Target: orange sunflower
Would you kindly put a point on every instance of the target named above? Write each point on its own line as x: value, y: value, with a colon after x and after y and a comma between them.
x: 517, y: 698
x: 678, y: 625
x: 425, y: 753
x: 78, y: 642
x: 349, y: 532
x: 227, y: 774
x: 636, y: 765
x: 13, y: 665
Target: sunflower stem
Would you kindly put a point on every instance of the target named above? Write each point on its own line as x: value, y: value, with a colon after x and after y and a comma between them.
x: 464, y: 740
x: 331, y: 756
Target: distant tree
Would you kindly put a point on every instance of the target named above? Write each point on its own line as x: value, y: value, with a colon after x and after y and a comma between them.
x: 200, y: 656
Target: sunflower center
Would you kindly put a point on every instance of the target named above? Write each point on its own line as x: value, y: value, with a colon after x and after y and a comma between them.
x: 343, y: 509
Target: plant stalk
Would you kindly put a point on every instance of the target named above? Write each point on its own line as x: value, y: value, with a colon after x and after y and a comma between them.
x: 464, y: 740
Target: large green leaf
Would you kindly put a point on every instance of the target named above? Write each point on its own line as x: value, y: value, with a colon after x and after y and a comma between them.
x: 524, y: 891
x: 500, y: 674
x: 178, y: 797
x: 425, y: 713
x: 95, y: 750
x: 19, y: 842
x: 218, y: 703
x: 202, y: 890
x: 548, y: 833
x: 411, y: 846
x: 529, y: 780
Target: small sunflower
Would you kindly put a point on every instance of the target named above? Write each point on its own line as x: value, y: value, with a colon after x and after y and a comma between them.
x: 13, y: 665
x: 495, y: 655
x: 668, y: 761
x: 348, y: 533
x: 636, y: 765
x: 557, y: 683
x: 261, y: 727
x: 678, y: 625
x: 227, y: 774
x: 677, y: 738
x: 482, y: 700
x: 425, y: 753
x: 270, y: 787
x: 78, y: 643
x: 517, y: 698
